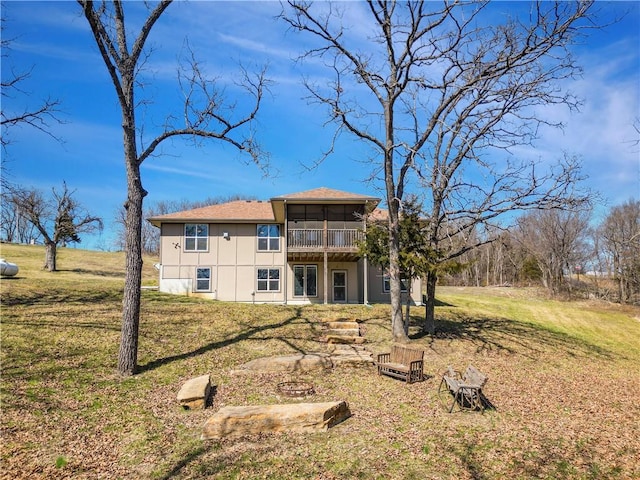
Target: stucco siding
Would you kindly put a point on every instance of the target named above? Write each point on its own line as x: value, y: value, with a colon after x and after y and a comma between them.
x: 246, y: 283
x: 233, y: 257
x: 376, y: 288
x: 225, y: 282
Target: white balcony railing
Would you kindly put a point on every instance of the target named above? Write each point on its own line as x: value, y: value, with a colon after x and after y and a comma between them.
x: 314, y: 239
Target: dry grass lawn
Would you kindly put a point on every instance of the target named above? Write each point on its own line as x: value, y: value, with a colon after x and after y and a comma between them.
x: 564, y: 378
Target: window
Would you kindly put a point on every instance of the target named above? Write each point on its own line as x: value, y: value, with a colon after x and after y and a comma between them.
x: 269, y: 237
x: 305, y: 280
x: 386, y: 284
x: 203, y: 279
x: 268, y: 279
x: 196, y: 237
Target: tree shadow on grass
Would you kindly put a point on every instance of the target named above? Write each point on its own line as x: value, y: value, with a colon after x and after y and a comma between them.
x: 98, y: 273
x: 510, y: 335
x: 52, y: 297
x: 250, y: 332
x: 189, y: 458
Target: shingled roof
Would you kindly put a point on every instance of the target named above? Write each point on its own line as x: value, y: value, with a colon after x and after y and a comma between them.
x: 324, y: 193
x: 239, y: 211
x: 236, y: 211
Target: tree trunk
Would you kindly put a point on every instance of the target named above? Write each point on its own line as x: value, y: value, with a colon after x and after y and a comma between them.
x: 430, y: 310
x: 407, y: 316
x: 128, y: 354
x: 393, y: 202
x: 397, y: 319
x: 50, y: 256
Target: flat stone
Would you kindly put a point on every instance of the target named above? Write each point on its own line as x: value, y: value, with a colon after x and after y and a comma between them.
x: 342, y: 348
x: 290, y: 363
x: 343, y: 325
x: 340, y: 354
x: 238, y: 421
x: 344, y: 339
x: 194, y: 393
x: 353, y: 360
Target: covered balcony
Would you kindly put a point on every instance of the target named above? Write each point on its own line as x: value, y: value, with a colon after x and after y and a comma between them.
x: 319, y: 232
x: 312, y: 243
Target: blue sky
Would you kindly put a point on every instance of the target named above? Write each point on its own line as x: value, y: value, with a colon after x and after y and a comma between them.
x: 53, y: 39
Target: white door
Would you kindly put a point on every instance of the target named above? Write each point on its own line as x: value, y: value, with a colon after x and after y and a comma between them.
x: 339, y: 286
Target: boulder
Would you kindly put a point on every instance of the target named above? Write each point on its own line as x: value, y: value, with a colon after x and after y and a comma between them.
x: 297, y: 417
x: 194, y: 394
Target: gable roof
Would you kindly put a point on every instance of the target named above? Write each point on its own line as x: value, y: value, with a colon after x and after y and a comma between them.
x: 378, y: 215
x: 325, y: 194
x: 322, y: 195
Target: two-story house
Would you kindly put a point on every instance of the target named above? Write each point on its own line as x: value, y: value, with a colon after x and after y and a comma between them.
x: 296, y: 248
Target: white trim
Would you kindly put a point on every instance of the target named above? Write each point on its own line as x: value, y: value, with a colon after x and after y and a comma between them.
x: 197, y: 279
x: 268, y: 280
x: 268, y: 238
x: 195, y: 238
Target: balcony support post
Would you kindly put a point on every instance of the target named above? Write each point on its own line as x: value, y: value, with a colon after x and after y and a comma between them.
x: 326, y: 278
x: 325, y: 243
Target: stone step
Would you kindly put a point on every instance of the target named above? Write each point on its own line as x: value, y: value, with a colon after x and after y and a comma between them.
x: 297, y: 417
x: 348, y: 332
x: 349, y: 353
x: 344, y: 339
x: 340, y: 348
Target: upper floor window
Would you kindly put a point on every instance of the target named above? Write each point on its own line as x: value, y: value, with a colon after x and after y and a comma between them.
x: 196, y: 237
x: 269, y: 237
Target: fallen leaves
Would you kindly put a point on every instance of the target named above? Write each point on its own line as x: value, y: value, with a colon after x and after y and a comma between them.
x: 565, y: 407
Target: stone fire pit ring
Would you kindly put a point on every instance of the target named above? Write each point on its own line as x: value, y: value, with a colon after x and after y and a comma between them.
x: 296, y: 389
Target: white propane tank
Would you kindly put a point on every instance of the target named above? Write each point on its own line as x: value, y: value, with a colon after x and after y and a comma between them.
x: 8, y: 269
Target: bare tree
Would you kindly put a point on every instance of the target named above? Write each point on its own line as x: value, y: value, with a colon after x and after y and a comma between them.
x: 59, y: 219
x: 205, y: 115
x: 433, y: 88
x: 14, y: 228
x: 557, y: 239
x: 501, y: 260
x: 620, y: 239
